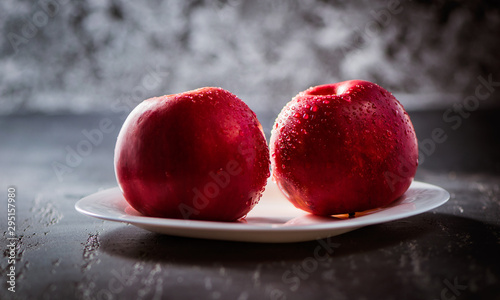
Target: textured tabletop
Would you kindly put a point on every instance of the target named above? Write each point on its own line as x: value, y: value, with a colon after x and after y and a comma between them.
x: 451, y: 252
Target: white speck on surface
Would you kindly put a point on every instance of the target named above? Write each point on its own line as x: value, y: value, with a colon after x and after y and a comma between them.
x: 45, y: 211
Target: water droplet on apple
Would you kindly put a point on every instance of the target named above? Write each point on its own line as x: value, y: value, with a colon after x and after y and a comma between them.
x: 305, y: 116
x: 326, y: 101
x: 347, y: 98
x: 314, y: 108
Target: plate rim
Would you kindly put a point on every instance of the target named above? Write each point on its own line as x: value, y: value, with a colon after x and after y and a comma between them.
x: 203, y: 225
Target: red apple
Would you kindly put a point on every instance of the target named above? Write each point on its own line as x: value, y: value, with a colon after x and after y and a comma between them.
x: 200, y: 154
x: 343, y: 148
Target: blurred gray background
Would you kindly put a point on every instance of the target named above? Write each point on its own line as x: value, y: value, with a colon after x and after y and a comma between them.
x: 61, y: 56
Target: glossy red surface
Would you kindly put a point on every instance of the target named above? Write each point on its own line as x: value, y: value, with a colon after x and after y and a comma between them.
x: 200, y: 154
x: 343, y: 148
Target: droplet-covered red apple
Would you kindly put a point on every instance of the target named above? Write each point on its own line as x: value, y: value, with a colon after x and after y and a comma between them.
x: 200, y: 154
x: 343, y: 148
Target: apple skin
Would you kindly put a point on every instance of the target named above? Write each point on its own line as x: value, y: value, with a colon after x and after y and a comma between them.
x: 200, y: 155
x: 343, y: 148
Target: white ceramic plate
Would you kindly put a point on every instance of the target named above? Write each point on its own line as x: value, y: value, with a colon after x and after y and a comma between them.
x: 273, y: 220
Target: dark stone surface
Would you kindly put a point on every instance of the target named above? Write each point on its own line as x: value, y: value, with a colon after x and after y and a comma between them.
x: 62, y: 254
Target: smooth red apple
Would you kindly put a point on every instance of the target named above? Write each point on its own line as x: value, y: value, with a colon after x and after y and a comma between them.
x: 343, y: 148
x: 200, y: 154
